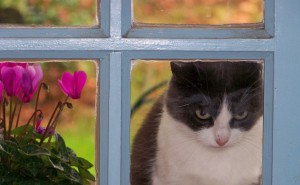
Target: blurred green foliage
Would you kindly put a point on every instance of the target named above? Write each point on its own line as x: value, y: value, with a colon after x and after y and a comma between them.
x: 49, y: 12
x: 144, y: 76
x: 213, y: 12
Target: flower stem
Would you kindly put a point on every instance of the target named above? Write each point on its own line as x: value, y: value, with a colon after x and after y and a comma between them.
x: 49, y: 123
x: 19, y: 113
x: 13, y: 115
x: 10, y: 117
x: 37, y: 101
x: 54, y: 124
x: 28, y: 122
x: 4, y: 118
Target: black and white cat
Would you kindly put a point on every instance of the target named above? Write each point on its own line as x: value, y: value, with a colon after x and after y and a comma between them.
x: 205, y: 130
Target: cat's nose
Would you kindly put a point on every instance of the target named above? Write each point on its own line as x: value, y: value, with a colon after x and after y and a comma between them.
x: 222, y: 136
x: 221, y: 141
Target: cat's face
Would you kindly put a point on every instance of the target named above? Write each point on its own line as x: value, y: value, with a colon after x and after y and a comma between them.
x: 220, y: 101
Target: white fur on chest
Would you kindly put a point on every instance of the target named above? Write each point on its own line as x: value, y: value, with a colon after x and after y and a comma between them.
x: 182, y: 160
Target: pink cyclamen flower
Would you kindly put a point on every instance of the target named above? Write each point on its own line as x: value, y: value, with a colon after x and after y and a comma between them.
x: 21, y: 79
x: 29, y: 82
x: 73, y: 85
x: 11, y: 78
x: 11, y: 64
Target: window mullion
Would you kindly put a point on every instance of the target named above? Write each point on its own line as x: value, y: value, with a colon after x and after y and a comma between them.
x: 114, y: 155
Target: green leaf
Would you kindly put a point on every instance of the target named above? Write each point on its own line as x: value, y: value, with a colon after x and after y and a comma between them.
x: 56, y: 163
x: 38, y: 136
x: 84, y: 163
x: 3, y: 152
x: 49, y: 173
x: 61, y: 148
x: 33, y: 165
x: 73, y: 158
x: 86, y: 174
x: 71, y: 173
x: 34, y: 150
x: 60, y: 141
x: 46, y: 161
x: 30, y: 163
x: 9, y: 147
x: 19, y: 130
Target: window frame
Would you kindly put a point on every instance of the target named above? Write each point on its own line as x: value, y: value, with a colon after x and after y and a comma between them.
x: 268, y: 76
x: 125, y: 42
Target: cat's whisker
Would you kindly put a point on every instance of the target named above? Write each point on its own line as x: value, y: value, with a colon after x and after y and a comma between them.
x: 184, y: 105
x: 251, y: 74
x: 249, y: 151
x: 253, y: 143
x: 249, y: 94
x: 242, y: 101
x: 251, y: 86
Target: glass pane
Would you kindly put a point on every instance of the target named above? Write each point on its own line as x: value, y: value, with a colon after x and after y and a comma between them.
x: 74, y: 120
x: 196, y: 122
x: 211, y: 12
x: 49, y: 12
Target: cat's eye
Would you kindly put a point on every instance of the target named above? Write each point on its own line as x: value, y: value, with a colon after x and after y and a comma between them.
x: 241, y: 116
x: 202, y: 114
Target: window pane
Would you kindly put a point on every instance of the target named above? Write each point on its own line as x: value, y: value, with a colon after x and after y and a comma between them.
x: 49, y: 12
x: 75, y: 121
x: 188, y: 116
x: 211, y: 12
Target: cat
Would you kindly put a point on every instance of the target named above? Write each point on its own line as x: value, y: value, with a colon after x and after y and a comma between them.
x: 206, y: 129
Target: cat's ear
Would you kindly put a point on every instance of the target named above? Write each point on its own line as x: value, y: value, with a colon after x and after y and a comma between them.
x: 183, y: 72
x: 180, y: 69
x: 176, y: 67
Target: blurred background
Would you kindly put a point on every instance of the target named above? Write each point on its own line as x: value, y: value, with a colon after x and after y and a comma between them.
x: 213, y: 12
x: 49, y: 12
x: 148, y: 81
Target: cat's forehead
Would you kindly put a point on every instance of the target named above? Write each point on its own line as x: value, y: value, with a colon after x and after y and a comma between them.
x: 238, y: 67
x: 218, y: 76
x: 242, y: 69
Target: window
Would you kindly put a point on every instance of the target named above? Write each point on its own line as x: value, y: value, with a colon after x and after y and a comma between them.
x: 267, y: 57
x: 264, y: 30
x: 117, y: 41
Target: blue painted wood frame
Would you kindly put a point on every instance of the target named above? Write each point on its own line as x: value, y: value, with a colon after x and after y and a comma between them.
x: 104, y: 112
x: 102, y: 30
x: 280, y: 46
x: 286, y: 137
x: 132, y: 30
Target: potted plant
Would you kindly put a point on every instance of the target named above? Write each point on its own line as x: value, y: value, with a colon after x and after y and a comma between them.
x: 30, y: 153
